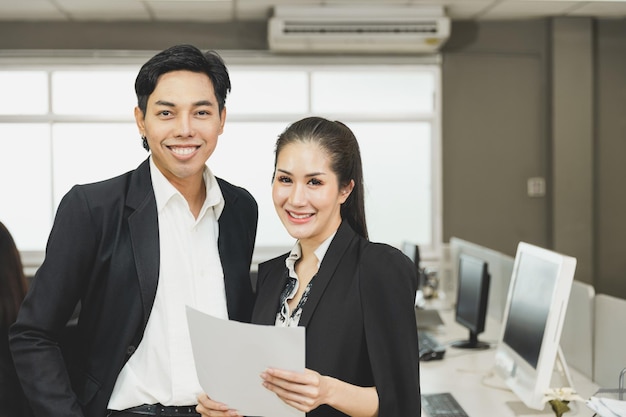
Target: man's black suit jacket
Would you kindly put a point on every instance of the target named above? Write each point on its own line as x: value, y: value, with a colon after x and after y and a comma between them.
x: 103, y: 252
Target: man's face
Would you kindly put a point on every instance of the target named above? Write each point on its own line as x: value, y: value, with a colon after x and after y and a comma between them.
x: 182, y: 124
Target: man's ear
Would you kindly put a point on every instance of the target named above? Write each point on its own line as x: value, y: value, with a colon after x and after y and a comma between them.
x: 140, y: 121
x: 222, y: 119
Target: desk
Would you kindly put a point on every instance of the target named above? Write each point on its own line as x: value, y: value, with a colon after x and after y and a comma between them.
x: 468, y: 375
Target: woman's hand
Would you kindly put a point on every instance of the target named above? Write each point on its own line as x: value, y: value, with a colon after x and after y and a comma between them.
x: 304, y: 391
x: 308, y: 390
x: 209, y: 408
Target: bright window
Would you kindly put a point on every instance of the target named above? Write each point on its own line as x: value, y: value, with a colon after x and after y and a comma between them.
x: 373, y: 91
x: 23, y: 92
x: 89, y: 152
x: 78, y: 127
x: 25, y: 172
x: 263, y: 91
x: 94, y: 93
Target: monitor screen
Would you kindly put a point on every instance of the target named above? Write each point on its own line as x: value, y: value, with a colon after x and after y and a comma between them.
x: 533, y: 319
x: 529, y: 307
x: 412, y: 251
x: 472, y: 299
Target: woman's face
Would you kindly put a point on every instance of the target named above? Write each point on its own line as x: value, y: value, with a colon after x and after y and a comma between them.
x: 306, y: 193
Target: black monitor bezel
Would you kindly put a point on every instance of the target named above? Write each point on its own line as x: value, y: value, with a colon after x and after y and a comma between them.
x: 480, y: 303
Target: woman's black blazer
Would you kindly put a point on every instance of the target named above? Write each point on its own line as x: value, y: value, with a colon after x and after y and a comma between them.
x: 359, y: 319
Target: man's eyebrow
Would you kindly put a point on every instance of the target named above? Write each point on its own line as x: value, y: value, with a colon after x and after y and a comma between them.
x: 196, y: 104
x: 203, y: 103
x: 165, y: 103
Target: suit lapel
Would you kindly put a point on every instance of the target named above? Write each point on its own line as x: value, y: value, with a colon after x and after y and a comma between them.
x: 326, y: 273
x: 144, y: 234
x: 273, y: 285
x: 226, y: 246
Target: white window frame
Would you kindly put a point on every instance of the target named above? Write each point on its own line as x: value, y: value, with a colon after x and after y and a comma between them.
x: 51, y: 61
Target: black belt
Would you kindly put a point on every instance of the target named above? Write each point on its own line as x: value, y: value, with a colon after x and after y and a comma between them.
x: 157, y: 410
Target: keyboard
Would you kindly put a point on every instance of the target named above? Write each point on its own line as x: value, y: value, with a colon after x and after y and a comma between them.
x: 428, y: 319
x: 430, y: 348
x: 442, y: 404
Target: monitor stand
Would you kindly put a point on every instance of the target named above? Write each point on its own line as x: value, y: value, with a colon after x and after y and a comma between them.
x: 471, y: 343
x: 564, y: 369
x: 520, y: 409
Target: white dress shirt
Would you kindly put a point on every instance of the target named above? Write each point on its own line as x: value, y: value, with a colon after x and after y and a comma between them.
x: 162, y: 369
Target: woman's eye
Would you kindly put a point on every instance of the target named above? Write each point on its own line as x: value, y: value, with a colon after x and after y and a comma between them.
x: 315, y: 181
x: 284, y: 179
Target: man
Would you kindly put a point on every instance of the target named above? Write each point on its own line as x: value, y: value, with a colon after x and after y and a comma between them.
x: 134, y: 251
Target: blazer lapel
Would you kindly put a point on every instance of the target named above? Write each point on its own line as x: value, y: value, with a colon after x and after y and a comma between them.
x: 235, y: 244
x: 144, y: 234
x: 326, y: 272
x: 269, y: 298
x: 226, y: 244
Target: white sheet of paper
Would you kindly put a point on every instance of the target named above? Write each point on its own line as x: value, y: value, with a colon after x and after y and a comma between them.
x: 231, y: 355
x: 607, y: 407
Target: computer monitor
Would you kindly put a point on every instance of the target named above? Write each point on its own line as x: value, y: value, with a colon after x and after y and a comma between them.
x: 533, y: 319
x: 413, y: 252
x: 472, y: 299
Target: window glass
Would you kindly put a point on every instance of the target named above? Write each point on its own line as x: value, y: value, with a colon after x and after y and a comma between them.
x: 96, y: 93
x: 26, y: 208
x: 89, y: 152
x: 245, y: 157
x: 90, y: 135
x: 265, y: 91
x: 396, y: 170
x: 397, y: 194
x: 24, y: 92
x: 372, y: 92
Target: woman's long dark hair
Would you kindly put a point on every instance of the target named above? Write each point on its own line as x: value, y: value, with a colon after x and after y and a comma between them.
x: 340, y: 144
x: 12, y: 279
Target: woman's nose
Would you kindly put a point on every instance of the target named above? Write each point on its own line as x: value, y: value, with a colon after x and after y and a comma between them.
x: 297, y: 197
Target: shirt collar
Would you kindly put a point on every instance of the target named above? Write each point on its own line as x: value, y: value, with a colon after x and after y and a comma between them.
x: 164, y: 190
x: 296, y: 253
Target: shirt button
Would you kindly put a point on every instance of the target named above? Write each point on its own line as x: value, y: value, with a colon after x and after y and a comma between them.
x: 130, y: 350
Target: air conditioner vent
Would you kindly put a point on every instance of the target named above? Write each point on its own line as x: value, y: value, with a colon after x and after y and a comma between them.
x: 380, y: 29
x: 359, y: 28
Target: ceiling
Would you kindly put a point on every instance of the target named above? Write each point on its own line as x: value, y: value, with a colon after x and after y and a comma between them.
x: 242, y: 10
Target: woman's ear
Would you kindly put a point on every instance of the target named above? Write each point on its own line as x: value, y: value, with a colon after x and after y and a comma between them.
x: 345, y: 191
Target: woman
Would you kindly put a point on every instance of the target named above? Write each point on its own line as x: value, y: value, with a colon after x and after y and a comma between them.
x: 355, y: 297
x: 12, y: 292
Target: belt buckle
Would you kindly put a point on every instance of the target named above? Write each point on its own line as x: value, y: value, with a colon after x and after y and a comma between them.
x: 174, y: 411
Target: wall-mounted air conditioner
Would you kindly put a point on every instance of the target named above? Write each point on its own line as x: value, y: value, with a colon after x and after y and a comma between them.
x: 358, y: 29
